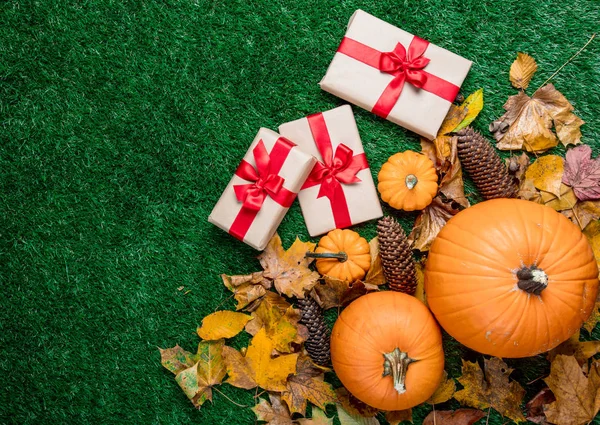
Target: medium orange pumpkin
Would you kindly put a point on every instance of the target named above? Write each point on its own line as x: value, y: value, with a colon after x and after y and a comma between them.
x: 343, y: 254
x: 511, y: 278
x: 408, y: 181
x: 387, y: 350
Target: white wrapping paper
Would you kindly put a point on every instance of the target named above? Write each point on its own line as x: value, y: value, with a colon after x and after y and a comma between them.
x: 362, y: 199
x: 295, y: 170
x: 362, y: 85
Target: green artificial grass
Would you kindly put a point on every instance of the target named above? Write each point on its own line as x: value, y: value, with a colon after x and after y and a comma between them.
x: 122, y: 122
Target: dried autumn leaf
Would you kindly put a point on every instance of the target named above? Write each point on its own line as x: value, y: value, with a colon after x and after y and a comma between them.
x: 222, y: 324
x: 449, y: 417
x: 318, y: 418
x: 581, y: 350
x: 535, y: 406
x: 198, y: 380
x: 592, y: 233
x: 584, y: 213
x: 275, y: 413
x: 455, y: 116
x: 566, y: 200
x: 517, y: 165
x: 429, y: 223
x: 582, y: 173
x: 530, y: 121
x: 420, y: 290
x: 473, y: 104
x: 396, y: 417
x: 521, y: 71
x: 289, y: 269
x: 331, y: 292
x: 577, y: 396
x: 177, y: 359
x: 444, y: 391
x: 258, y: 368
x: 307, y: 385
x: 594, y: 318
x: 375, y: 274
x: 347, y: 418
x: 352, y: 405
x: 247, y: 288
x: 546, y: 173
x: 492, y: 389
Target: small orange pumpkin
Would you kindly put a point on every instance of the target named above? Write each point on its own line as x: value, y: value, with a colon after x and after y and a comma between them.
x: 408, y: 181
x: 343, y: 254
x: 387, y: 350
x: 511, y: 278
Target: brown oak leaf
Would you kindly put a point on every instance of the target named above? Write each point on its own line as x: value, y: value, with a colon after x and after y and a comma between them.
x: 535, y: 406
x: 222, y: 324
x: 429, y: 223
x: 197, y: 381
x: 280, y: 321
x: 307, y: 385
x: 257, y: 367
x: 318, y: 418
x: 289, y: 269
x: 521, y: 71
x: 444, y: 391
x: 450, y: 417
x: 530, y: 121
x: 247, y: 289
x: 396, y: 417
x: 275, y: 413
x: 350, y: 418
x: 331, y: 292
x: 491, y: 389
x: 582, y: 173
x: 577, y: 396
x: 581, y: 350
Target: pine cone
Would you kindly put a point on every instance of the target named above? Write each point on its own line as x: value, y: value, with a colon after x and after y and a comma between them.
x: 317, y: 344
x: 479, y: 158
x: 396, y: 256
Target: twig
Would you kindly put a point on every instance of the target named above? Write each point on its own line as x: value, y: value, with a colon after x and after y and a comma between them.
x: 434, y: 421
x: 488, y: 416
x: 223, y: 302
x: 567, y: 62
x: 221, y: 392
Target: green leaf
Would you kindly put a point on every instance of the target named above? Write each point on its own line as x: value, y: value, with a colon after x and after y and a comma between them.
x: 473, y: 104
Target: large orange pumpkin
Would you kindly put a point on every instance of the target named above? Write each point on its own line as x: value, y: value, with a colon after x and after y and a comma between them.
x: 387, y: 350
x: 511, y: 278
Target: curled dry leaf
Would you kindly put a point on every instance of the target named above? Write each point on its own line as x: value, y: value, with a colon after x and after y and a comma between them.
x: 257, y: 367
x: 582, y: 173
x: 429, y: 223
x: 331, y: 292
x: 521, y: 71
x: 473, y: 104
x: 275, y: 413
x: 396, y: 417
x: 197, y: 381
x: 517, y: 165
x: 444, y: 391
x: 222, y: 324
x: 581, y: 350
x: 248, y: 288
x: 449, y: 417
x: 420, y: 274
x: 289, y: 269
x: 307, y: 385
x: 375, y: 274
x: 527, y: 123
x: 350, y: 418
x: 535, y: 406
x: 318, y: 418
x: 577, y: 396
x: 492, y: 389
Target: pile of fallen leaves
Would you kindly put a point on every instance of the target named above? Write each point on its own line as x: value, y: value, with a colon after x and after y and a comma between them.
x: 286, y: 381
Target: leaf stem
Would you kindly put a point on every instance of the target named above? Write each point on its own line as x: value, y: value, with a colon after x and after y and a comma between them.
x: 221, y: 392
x: 567, y: 62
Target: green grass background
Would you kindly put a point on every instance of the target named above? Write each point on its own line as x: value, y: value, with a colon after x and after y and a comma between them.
x: 122, y: 122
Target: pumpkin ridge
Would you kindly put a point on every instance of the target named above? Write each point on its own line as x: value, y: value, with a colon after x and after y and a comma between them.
x: 474, y: 236
x: 569, y: 254
x: 554, y: 276
x: 520, y: 321
x: 488, y: 301
x: 503, y: 267
x: 371, y: 343
x: 549, y: 345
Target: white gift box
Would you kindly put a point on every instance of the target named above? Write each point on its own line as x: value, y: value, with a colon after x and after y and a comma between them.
x: 354, y: 74
x: 349, y: 196
x: 257, y: 197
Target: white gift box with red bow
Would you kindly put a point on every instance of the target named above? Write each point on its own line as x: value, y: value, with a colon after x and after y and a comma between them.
x: 395, y: 74
x: 340, y: 190
x: 262, y: 189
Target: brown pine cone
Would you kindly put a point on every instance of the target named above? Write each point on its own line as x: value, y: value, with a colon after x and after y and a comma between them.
x: 396, y: 256
x: 317, y: 344
x: 480, y: 159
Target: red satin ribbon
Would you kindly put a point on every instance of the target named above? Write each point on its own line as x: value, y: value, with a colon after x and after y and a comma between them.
x: 406, y: 67
x: 264, y: 181
x: 336, y: 168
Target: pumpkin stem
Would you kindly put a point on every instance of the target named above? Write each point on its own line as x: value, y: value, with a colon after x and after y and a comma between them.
x: 342, y: 256
x: 396, y: 363
x: 532, y: 280
x: 411, y: 181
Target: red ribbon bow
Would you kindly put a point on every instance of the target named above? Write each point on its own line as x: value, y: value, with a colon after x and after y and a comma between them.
x: 335, y: 169
x: 404, y: 66
x: 264, y: 181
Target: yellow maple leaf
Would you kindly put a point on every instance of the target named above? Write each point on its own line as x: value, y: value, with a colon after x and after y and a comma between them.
x: 444, y: 391
x: 289, y: 269
x: 592, y: 233
x: 222, y: 324
x: 247, y: 289
x: 258, y: 368
x: 581, y: 350
x: 546, y: 173
x: 307, y: 385
x: 521, y: 71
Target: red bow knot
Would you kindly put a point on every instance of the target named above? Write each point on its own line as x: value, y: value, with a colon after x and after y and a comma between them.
x: 335, y: 169
x: 406, y: 66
